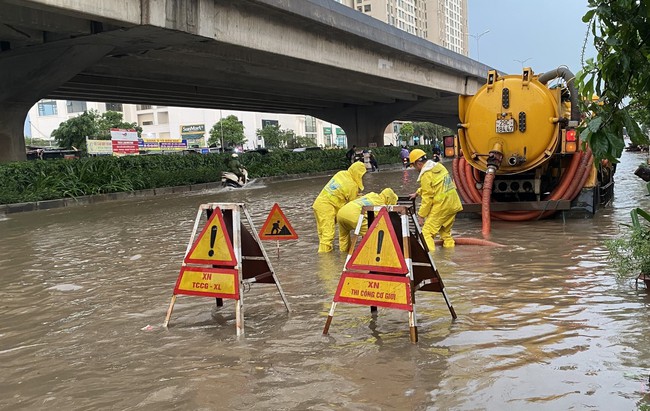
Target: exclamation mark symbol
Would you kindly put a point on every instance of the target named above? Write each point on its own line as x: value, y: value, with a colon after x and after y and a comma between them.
x: 213, y: 237
x: 380, y: 240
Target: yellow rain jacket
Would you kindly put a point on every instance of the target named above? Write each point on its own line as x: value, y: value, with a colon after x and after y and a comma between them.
x: 341, y: 189
x: 440, y: 203
x: 348, y: 215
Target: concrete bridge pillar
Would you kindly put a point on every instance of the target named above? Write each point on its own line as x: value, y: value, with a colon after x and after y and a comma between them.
x: 12, y: 141
x: 366, y: 124
x: 28, y: 76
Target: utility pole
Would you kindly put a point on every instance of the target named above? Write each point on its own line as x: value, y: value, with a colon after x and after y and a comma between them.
x: 522, y: 61
x: 221, y: 124
x: 478, y: 37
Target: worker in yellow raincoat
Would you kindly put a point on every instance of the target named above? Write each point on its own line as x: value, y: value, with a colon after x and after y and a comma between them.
x: 440, y: 200
x: 340, y: 190
x: 348, y: 215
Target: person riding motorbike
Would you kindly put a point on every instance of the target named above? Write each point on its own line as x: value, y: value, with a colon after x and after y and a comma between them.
x: 235, y: 167
x: 404, y: 155
x: 373, y: 161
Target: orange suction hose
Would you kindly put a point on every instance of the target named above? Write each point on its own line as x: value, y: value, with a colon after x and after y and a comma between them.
x: 572, y: 181
x: 472, y: 241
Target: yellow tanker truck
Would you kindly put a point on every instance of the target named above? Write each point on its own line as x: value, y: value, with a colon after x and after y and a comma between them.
x: 518, y: 155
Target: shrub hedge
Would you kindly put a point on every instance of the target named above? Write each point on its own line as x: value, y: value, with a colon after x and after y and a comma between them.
x: 39, y: 180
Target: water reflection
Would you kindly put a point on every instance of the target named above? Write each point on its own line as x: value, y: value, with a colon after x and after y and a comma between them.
x: 542, y: 322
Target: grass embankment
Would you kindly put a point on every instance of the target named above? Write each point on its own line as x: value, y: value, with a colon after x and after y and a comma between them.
x: 30, y: 181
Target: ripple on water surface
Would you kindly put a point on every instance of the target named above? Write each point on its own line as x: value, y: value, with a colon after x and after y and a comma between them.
x: 542, y: 323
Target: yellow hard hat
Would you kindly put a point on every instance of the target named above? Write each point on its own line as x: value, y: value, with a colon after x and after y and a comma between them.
x: 416, y: 154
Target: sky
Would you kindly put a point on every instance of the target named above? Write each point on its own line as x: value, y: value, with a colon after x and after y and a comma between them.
x: 545, y: 34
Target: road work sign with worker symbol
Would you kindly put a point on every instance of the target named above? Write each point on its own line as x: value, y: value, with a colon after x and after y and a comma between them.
x: 226, y: 259
x: 277, y: 227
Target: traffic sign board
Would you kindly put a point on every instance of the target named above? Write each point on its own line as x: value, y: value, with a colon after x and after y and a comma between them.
x: 375, y: 290
x: 276, y: 226
x: 213, y: 245
x: 208, y: 282
x: 379, y: 250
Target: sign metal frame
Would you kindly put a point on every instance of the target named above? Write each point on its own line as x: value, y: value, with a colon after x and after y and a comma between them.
x: 244, y: 277
x: 430, y: 281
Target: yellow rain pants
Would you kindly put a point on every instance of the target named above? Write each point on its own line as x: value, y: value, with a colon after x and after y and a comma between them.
x: 348, y: 215
x: 440, y: 203
x: 341, y: 189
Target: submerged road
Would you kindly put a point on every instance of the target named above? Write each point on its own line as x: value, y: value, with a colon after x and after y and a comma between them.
x: 542, y: 323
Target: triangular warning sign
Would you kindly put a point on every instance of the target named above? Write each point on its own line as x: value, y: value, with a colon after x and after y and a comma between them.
x: 379, y: 250
x: 213, y: 245
x: 277, y: 227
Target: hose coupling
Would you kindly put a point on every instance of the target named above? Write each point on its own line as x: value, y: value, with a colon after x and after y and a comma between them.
x: 494, y: 159
x: 515, y: 160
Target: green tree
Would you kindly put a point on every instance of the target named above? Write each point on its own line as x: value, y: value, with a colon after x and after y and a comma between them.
x: 430, y: 133
x: 73, y: 132
x: 425, y: 131
x: 406, y: 132
x: 619, y: 75
x: 304, y: 141
x: 294, y: 141
x: 275, y: 137
x: 272, y: 135
x: 113, y: 119
x: 229, y: 130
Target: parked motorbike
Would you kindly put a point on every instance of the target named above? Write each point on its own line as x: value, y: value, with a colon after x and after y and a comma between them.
x: 229, y: 179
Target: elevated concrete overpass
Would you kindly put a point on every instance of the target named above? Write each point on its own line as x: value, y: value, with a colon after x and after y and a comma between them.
x: 313, y: 57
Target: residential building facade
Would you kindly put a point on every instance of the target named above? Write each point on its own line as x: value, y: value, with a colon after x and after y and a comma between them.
x: 181, y: 123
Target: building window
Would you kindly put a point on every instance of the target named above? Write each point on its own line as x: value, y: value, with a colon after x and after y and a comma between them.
x: 366, y: 8
x: 163, y: 118
x: 310, y: 124
x: 76, y: 106
x: 114, y: 107
x: 140, y: 107
x: 147, y: 123
x: 270, y: 123
x: 47, y: 108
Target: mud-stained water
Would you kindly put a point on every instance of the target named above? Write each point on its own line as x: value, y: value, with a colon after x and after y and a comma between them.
x: 542, y: 323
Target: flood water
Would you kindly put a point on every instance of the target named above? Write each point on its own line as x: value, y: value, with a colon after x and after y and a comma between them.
x: 542, y: 323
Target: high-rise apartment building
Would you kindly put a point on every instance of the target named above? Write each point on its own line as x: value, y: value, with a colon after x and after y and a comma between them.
x: 443, y: 22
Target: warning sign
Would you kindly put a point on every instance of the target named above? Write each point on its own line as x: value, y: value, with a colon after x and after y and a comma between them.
x: 277, y: 227
x: 375, y: 290
x: 236, y: 255
x: 208, y: 282
x: 379, y: 250
x: 213, y: 245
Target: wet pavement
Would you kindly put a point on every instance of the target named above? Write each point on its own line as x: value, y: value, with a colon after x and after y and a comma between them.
x: 542, y: 323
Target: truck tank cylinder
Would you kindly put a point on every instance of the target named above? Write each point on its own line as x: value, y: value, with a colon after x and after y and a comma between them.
x: 517, y: 112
